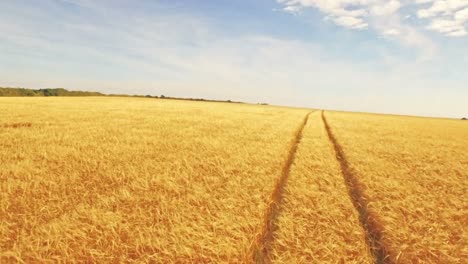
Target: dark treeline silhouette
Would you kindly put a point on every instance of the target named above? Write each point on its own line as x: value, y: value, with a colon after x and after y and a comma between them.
x: 44, y: 92
x: 6, y: 91
x: 178, y: 98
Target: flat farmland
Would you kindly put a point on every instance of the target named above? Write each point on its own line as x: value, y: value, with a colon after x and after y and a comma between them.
x: 119, y: 179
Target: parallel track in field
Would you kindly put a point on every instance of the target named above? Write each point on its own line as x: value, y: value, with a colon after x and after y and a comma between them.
x: 259, y: 251
x: 368, y: 218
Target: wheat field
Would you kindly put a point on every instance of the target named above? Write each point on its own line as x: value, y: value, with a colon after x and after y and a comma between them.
x: 120, y: 180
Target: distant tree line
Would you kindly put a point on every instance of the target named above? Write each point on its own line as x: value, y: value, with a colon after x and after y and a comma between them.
x: 4, y: 91
x: 44, y: 92
x: 176, y: 98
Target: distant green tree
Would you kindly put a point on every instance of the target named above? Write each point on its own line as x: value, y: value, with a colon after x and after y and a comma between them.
x: 49, y: 92
x: 29, y: 92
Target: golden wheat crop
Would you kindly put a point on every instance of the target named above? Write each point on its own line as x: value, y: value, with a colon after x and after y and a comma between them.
x: 122, y: 179
x: 414, y: 171
x: 117, y: 180
x: 317, y: 222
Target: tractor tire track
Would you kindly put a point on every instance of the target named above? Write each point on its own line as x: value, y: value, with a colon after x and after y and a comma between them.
x: 261, y: 246
x: 369, y: 220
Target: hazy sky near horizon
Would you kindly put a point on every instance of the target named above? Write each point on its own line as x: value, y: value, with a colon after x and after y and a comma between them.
x: 390, y: 56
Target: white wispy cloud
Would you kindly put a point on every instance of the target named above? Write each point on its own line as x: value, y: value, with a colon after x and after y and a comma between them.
x: 449, y: 17
x: 351, y: 22
x: 292, y: 9
x: 355, y: 14
x: 390, y: 18
x: 382, y: 16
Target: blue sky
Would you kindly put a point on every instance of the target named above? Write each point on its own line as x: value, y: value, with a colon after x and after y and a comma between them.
x: 392, y: 56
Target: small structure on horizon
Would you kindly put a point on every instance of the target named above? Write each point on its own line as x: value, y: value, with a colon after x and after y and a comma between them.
x: 464, y: 118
